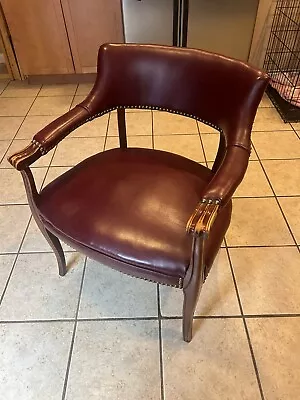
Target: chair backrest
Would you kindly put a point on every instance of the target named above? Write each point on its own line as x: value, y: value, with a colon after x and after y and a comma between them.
x: 215, y: 89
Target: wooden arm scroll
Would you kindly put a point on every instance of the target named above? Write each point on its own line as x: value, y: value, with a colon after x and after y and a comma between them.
x: 203, y: 217
x: 27, y: 156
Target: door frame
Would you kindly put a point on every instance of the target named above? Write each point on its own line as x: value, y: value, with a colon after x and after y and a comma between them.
x: 9, y: 52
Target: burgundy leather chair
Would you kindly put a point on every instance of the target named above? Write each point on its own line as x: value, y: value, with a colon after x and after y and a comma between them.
x: 149, y: 213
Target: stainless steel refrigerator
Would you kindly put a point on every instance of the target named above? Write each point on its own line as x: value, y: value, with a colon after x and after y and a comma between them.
x: 222, y: 26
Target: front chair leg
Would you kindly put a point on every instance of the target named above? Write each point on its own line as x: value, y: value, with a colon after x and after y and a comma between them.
x: 57, y: 249
x: 53, y: 241
x: 192, y: 287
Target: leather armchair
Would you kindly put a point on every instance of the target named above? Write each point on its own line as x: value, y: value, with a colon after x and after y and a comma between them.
x: 149, y: 213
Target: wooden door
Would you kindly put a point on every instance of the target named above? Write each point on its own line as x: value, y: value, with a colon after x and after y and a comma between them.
x: 39, y: 36
x: 91, y: 23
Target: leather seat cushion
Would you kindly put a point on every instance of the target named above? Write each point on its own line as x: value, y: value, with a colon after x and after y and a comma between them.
x: 132, y: 205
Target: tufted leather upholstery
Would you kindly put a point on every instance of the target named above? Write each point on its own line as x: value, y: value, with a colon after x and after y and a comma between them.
x: 129, y: 208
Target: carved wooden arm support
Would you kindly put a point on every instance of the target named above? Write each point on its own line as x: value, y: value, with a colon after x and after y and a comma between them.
x: 203, y: 217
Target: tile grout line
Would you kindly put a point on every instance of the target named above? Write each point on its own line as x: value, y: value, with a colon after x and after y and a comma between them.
x: 276, y: 197
x: 64, y: 392
x: 202, y: 145
x: 161, y: 363
x: 5, y: 87
x: 107, y: 132
x: 166, y: 318
x: 152, y: 129
x: 245, y: 326
x: 296, y: 132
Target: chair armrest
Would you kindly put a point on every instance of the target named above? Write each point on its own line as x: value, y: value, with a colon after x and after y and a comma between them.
x: 49, y: 137
x: 219, y: 190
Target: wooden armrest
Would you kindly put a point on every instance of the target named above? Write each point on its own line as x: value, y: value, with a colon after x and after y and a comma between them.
x: 203, y: 217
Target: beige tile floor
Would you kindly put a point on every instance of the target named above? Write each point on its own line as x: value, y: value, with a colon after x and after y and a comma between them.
x: 96, y: 334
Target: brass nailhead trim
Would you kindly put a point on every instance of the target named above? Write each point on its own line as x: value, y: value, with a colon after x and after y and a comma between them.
x: 91, y: 118
x: 179, y: 285
x: 38, y: 144
x: 158, y: 109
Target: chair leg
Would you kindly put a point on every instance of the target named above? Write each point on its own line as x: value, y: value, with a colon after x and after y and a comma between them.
x: 191, y: 296
x: 192, y: 288
x: 57, y: 249
x: 53, y: 241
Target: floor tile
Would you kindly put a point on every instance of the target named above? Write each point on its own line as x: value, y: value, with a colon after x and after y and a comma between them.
x: 215, y: 365
x: 66, y: 89
x: 4, y: 145
x: 3, y: 84
x: 255, y: 183
x: 132, y: 110
x: 291, y: 209
x: 32, y: 125
x: 257, y: 222
x: 203, y: 128
x: 265, y: 101
x: 140, y: 141
x: 21, y: 89
x: 51, y: 105
x: 188, y: 146
x: 268, y: 119
x: 15, y: 107
x: 278, y: 144
x: 77, y: 100
x: 257, y: 271
x: 296, y: 126
x: 132, y: 141
x: 53, y: 173
x: 108, y: 293
x: 20, y: 144
x: 276, y: 346
x: 113, y: 143
x: 97, y: 127
x: 217, y: 297
x: 84, y: 88
x: 166, y: 124
x: 9, y: 127
x: 71, y: 151
x: 211, y: 145
x: 13, y: 190
x: 34, y: 241
x: 6, y: 264
x: 126, y: 366
x: 284, y: 176
x: 48, y: 295
x: 14, y: 220
x: 137, y: 123
x: 33, y: 360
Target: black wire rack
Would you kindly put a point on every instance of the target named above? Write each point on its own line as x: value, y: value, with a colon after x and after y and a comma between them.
x: 282, y: 61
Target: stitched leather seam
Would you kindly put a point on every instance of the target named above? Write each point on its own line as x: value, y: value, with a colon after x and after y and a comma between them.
x: 241, y: 146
